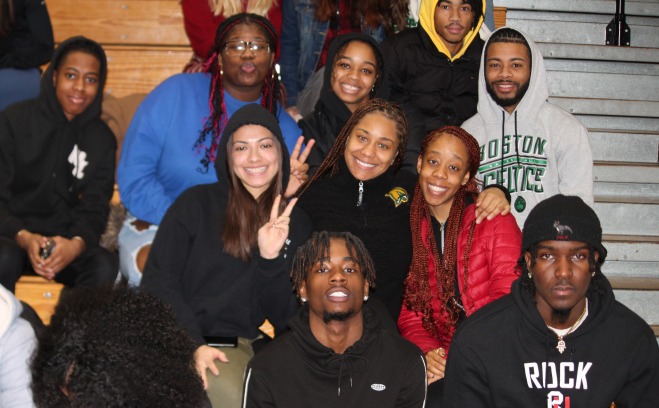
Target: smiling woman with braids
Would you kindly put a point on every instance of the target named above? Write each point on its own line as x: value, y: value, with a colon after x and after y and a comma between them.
x: 360, y: 188
x: 172, y: 141
x: 454, y: 268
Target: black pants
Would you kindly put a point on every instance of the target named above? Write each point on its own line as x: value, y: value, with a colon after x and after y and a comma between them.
x: 94, y: 267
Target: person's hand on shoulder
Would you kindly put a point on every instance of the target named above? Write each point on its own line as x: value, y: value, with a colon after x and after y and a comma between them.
x: 204, y: 358
x: 490, y: 203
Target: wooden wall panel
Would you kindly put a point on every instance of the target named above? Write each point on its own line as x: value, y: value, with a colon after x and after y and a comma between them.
x: 139, y: 22
x: 139, y: 70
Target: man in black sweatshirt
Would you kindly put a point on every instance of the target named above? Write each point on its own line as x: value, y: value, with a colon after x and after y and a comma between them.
x: 338, y: 352
x: 560, y: 339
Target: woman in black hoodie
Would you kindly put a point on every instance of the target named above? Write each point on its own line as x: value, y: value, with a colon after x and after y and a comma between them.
x: 354, y: 75
x: 222, y: 254
x: 57, y: 174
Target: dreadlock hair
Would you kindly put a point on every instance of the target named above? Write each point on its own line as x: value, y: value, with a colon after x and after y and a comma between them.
x: 510, y: 36
x: 217, y: 120
x: 317, y: 248
x: 379, y: 63
x: 596, y: 283
x: 6, y: 17
x: 246, y: 214
x: 417, y: 295
x: 387, y: 109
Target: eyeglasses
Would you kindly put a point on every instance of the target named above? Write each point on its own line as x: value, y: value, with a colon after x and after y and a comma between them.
x: 238, y: 47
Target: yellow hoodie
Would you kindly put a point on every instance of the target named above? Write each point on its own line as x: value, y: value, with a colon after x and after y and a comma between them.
x: 427, y: 22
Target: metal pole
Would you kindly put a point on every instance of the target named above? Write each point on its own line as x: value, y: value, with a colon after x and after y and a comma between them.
x: 618, y: 32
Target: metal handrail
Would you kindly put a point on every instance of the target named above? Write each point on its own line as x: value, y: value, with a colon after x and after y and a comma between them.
x: 618, y: 32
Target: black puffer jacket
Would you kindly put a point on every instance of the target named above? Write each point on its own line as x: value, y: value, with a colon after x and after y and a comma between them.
x: 433, y: 90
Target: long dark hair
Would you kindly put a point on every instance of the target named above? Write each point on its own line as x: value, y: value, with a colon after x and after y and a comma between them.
x: 269, y: 93
x: 389, y: 110
x: 246, y: 214
x: 417, y: 288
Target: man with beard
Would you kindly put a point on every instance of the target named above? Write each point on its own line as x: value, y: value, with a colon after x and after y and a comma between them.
x: 528, y: 145
x: 338, y: 352
x: 433, y: 68
x: 560, y: 338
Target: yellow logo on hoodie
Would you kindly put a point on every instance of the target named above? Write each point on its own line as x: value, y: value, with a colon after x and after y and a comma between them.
x: 398, y: 195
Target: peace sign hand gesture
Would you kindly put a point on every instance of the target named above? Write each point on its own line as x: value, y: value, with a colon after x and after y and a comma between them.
x: 273, y: 234
x: 299, y: 168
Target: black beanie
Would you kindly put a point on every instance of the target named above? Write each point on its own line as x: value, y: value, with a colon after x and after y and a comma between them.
x: 253, y: 114
x: 563, y: 218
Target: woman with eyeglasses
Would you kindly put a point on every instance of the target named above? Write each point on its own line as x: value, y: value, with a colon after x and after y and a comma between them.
x: 202, y: 17
x: 172, y: 141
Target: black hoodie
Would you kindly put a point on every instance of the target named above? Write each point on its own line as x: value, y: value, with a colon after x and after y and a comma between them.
x: 211, y: 292
x: 505, y: 356
x: 331, y: 113
x: 380, y: 370
x: 56, y: 175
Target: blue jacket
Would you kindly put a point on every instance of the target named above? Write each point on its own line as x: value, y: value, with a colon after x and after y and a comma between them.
x: 158, y: 159
x: 302, y: 39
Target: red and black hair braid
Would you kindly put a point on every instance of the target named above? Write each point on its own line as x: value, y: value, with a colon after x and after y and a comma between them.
x: 417, y: 288
x: 215, y: 122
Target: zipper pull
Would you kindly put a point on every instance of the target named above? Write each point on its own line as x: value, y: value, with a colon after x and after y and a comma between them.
x: 361, y: 193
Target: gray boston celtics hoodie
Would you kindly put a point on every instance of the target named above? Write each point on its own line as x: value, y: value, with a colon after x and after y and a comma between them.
x: 551, y: 153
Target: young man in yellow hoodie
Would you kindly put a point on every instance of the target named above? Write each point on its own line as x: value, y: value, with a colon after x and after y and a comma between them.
x: 433, y: 68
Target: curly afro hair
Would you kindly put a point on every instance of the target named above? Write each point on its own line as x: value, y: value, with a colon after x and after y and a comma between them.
x: 114, y: 347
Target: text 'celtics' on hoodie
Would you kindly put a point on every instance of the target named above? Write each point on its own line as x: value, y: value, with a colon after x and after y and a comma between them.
x: 538, y: 151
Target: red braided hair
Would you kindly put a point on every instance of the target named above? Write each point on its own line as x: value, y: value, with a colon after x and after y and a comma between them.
x: 417, y: 295
x: 217, y: 120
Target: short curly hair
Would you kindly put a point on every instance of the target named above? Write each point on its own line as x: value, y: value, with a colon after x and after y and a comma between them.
x: 114, y: 347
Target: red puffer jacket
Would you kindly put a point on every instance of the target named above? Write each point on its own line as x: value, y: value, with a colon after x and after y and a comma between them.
x: 494, y: 253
